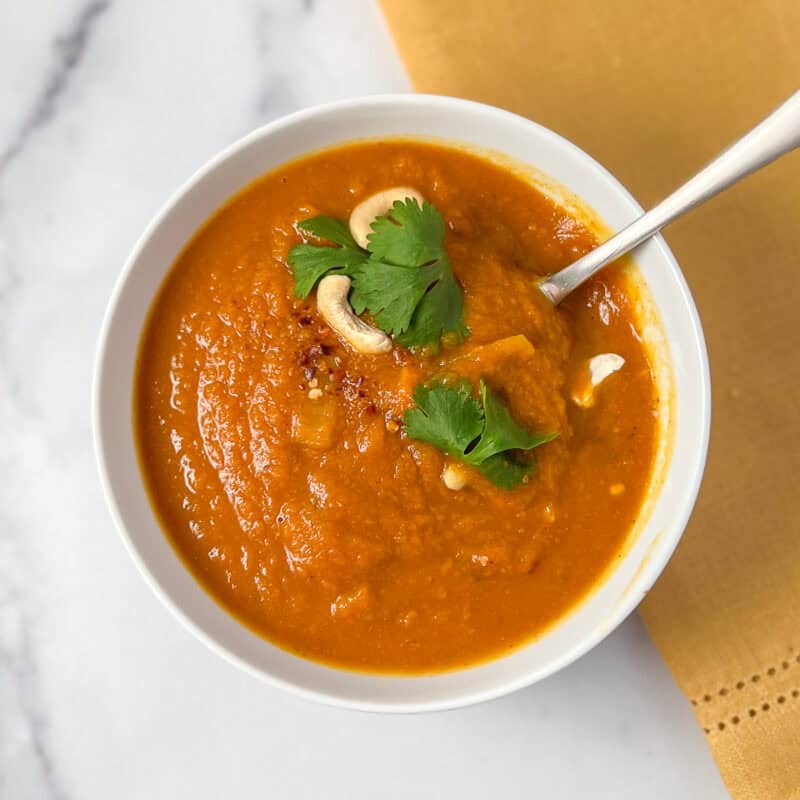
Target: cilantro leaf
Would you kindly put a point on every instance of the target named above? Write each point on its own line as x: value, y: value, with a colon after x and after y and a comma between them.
x: 390, y: 292
x: 502, y: 431
x: 310, y: 263
x: 449, y: 418
x: 440, y: 311
x: 482, y: 434
x: 409, y: 234
x: 334, y: 230
x: 504, y: 471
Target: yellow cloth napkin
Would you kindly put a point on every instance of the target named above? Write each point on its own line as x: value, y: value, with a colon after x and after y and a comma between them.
x: 653, y: 90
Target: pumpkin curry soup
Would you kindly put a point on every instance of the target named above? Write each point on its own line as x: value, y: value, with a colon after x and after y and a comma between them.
x: 364, y: 430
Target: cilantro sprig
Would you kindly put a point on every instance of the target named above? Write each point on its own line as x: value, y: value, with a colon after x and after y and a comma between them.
x: 404, y: 279
x: 481, y: 433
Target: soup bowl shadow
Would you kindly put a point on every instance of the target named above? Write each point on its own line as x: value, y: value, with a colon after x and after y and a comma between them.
x: 557, y: 166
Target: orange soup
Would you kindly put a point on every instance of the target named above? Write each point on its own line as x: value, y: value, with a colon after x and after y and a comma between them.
x: 283, y: 463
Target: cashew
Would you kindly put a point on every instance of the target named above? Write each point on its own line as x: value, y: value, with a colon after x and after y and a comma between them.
x: 598, y: 368
x: 454, y: 477
x: 332, y: 304
x: 365, y: 213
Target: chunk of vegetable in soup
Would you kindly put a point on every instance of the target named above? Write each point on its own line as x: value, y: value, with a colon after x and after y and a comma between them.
x: 278, y: 460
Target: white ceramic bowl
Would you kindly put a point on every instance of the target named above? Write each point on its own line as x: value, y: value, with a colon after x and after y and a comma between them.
x: 478, y: 126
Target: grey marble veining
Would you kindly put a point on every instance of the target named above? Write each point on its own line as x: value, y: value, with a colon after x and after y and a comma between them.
x: 68, y: 50
x: 105, y: 107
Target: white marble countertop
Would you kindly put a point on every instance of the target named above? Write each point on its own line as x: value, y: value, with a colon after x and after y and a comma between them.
x: 105, y: 107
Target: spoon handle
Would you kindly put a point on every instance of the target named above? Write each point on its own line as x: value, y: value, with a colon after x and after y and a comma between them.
x: 777, y: 134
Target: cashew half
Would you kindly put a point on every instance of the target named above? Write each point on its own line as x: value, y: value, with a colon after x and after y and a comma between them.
x: 365, y: 213
x: 598, y: 368
x: 454, y: 477
x: 335, y: 310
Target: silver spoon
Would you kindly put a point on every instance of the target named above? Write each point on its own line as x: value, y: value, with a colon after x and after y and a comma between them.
x: 773, y: 137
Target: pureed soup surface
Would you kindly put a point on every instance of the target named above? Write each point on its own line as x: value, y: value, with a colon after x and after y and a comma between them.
x: 318, y: 522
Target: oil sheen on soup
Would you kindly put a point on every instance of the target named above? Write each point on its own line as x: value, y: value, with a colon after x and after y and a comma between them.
x: 278, y: 460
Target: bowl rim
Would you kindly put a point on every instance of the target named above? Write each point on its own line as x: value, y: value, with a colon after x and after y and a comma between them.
x: 651, y: 568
